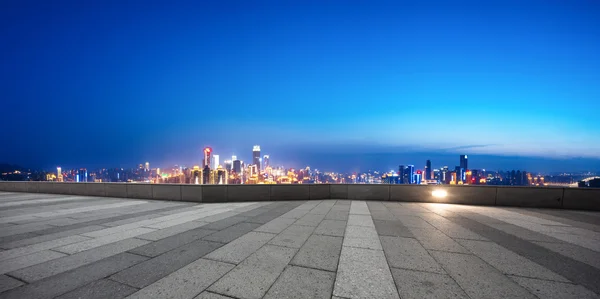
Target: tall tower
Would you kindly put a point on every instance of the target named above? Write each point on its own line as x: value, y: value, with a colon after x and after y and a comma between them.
x: 59, y: 176
x: 207, y: 153
x: 463, y: 162
x: 147, y: 166
x: 266, y: 161
x: 215, y: 161
x: 428, y: 170
x: 256, y: 157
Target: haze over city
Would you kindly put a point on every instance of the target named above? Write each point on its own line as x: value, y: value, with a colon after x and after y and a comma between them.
x: 334, y: 86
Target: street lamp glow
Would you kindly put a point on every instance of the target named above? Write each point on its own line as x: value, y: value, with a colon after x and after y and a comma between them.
x: 439, y: 193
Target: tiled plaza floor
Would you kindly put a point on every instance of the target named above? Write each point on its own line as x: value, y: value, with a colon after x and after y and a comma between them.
x: 54, y: 246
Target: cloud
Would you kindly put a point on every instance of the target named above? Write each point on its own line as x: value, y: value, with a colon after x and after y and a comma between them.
x: 467, y: 147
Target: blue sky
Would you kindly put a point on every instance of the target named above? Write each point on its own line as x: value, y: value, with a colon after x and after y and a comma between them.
x: 120, y: 82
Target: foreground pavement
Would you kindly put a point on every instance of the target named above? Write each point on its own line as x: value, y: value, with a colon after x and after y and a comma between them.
x: 54, y: 246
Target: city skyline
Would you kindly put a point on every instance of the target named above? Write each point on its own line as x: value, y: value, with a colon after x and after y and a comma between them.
x: 367, y: 85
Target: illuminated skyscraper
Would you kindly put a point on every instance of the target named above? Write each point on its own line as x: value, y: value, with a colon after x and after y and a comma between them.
x: 237, y: 166
x: 207, y: 153
x: 266, y: 161
x: 410, y: 171
x: 82, y: 176
x: 147, y: 168
x: 428, y: 170
x: 463, y: 162
x: 59, y: 176
x: 256, y: 157
x: 215, y: 161
x: 228, y: 165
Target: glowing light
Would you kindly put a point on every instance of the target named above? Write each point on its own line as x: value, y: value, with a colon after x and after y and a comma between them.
x: 439, y: 193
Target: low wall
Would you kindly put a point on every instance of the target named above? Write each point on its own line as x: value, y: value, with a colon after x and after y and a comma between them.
x: 538, y: 197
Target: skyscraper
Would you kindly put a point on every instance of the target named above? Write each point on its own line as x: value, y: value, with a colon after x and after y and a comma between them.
x: 237, y: 166
x: 463, y: 162
x: 402, y: 174
x: 410, y: 172
x: 59, y: 176
x: 147, y: 166
x: 215, y: 161
x: 82, y: 175
x: 206, y: 161
x: 428, y: 170
x: 256, y: 156
x: 228, y: 165
x: 266, y: 161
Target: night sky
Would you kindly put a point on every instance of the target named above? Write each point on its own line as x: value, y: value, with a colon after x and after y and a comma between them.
x: 337, y: 85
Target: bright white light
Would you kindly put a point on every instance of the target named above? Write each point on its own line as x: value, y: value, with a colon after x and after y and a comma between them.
x: 439, y: 193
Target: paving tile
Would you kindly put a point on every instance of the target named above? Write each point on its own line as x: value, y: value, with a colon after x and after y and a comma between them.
x: 319, y: 252
x: 28, y: 260
x: 477, y: 278
x: 310, y: 220
x: 451, y: 229
x: 233, y: 232
x: 7, y: 283
x: 433, y: 239
x: 554, y: 290
x: 392, y: 228
x: 253, y: 277
x: 413, y: 221
x: 225, y: 223
x: 167, y: 244
x: 337, y: 215
x: 299, y: 282
x: 418, y: 285
x: 364, y: 273
x: 148, y: 272
x: 100, y: 289
x: 186, y: 282
x: 360, y: 220
x: 382, y: 215
x: 509, y: 262
x: 331, y: 228
x: 171, y: 231
x: 210, y: 295
x: 50, y: 237
x: 276, y: 226
x: 362, y: 237
x: 12, y: 253
x: 575, y: 252
x: 407, y: 253
x: 67, y: 263
x: 97, y: 242
x: 293, y: 236
x: 359, y: 208
x: 68, y: 281
x: 239, y: 249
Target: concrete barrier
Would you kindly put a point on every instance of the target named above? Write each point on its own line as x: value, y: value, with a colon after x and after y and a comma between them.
x: 166, y: 192
x: 248, y: 192
x: 140, y: 191
x: 369, y: 192
x: 191, y: 193
x: 77, y: 188
x: 540, y: 197
x: 95, y: 189
x: 115, y: 189
x: 529, y: 197
x: 582, y: 199
x: 470, y: 195
x: 33, y: 187
x: 410, y: 193
x: 290, y: 192
x: 319, y: 191
x: 338, y: 191
x: 214, y: 193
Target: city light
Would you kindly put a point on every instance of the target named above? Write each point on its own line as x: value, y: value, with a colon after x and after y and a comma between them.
x: 439, y: 193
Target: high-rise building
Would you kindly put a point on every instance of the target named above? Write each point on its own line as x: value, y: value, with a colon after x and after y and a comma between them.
x: 460, y: 174
x: 256, y: 156
x: 82, y: 176
x: 228, y: 165
x: 417, y: 177
x: 237, y: 166
x: 207, y: 153
x: 147, y: 167
x: 410, y: 172
x: 215, y: 161
x: 59, y: 176
x: 266, y: 162
x: 463, y: 162
x: 428, y: 170
x: 206, y: 175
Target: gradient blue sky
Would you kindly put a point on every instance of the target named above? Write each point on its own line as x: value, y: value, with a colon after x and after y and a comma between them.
x: 115, y: 83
